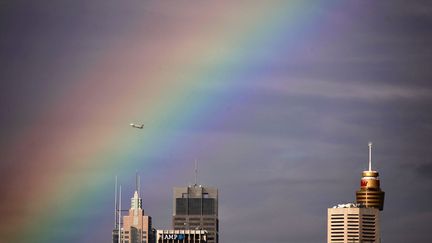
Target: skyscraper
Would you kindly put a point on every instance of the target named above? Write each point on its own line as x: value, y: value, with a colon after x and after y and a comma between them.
x: 136, y: 227
x: 353, y: 223
x: 370, y: 194
x: 196, y: 208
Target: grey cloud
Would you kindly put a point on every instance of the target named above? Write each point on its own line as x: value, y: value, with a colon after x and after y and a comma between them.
x: 346, y: 89
x: 424, y: 170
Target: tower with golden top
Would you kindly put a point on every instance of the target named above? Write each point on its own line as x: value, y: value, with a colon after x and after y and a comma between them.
x: 370, y: 194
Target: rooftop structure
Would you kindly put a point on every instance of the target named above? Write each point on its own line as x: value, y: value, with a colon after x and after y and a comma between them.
x: 349, y: 205
x: 370, y: 194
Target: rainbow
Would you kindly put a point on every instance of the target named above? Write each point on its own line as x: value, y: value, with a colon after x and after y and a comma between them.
x: 74, y: 149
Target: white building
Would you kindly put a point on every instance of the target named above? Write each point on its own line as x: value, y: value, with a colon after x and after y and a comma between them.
x: 181, y: 236
x: 351, y: 223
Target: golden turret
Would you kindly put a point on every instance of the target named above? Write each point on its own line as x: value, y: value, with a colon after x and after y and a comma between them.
x: 370, y: 194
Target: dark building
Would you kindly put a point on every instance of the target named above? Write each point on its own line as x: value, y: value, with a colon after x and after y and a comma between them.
x: 115, y: 236
x: 196, y: 208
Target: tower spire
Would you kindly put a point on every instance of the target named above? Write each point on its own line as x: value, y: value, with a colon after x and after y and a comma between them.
x: 136, y: 201
x: 139, y: 186
x: 370, y: 156
x: 137, y: 183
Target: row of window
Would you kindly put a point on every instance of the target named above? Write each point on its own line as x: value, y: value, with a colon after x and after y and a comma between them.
x: 337, y: 218
x: 194, y: 206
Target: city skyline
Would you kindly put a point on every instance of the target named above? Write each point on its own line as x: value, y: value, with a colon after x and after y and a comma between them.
x: 275, y: 99
x: 195, y: 209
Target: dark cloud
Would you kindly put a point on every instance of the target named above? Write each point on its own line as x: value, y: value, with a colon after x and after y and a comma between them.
x: 424, y: 170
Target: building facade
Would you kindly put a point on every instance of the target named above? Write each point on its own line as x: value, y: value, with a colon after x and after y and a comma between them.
x: 181, y: 236
x: 196, y: 208
x: 351, y: 223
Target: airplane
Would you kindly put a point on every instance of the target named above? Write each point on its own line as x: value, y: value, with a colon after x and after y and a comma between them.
x: 137, y: 126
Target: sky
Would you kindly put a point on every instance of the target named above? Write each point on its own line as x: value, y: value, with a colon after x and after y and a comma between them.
x: 276, y: 100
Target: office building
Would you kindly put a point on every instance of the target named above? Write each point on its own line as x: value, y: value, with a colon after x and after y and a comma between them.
x: 353, y: 223
x: 135, y: 227
x: 196, y: 208
x: 370, y: 194
x: 181, y: 236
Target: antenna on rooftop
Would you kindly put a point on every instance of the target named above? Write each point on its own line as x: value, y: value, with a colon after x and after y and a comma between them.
x: 115, y: 204
x: 139, y: 186
x: 370, y: 156
x: 196, y: 172
x: 119, y: 215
